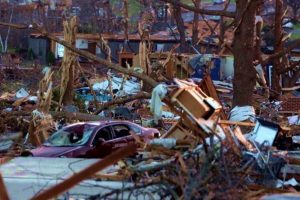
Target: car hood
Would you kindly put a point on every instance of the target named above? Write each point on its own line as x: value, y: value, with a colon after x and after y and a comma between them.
x: 48, y: 151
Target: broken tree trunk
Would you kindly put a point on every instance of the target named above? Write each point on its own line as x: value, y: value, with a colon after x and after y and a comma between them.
x: 278, y: 62
x: 68, y: 63
x: 180, y: 27
x: 195, y: 31
x: 122, y: 100
x: 243, y: 49
x: 126, y: 19
x: 42, y: 121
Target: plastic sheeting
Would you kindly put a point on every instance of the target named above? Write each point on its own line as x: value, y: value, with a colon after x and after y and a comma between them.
x: 291, y: 182
x: 158, y: 93
x: 243, y: 113
x: 130, y: 86
x: 168, y: 143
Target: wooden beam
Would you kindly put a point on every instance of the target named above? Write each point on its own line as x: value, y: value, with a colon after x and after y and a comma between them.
x: 294, y: 44
x: 17, y: 26
x: 85, y: 173
x: 226, y: 122
x: 122, y: 100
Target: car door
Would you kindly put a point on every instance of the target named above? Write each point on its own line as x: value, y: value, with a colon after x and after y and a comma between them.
x: 134, y: 130
x: 121, y: 135
x: 102, y: 143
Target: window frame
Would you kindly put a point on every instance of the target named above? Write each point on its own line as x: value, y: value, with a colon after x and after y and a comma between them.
x: 110, y: 134
x: 115, y: 135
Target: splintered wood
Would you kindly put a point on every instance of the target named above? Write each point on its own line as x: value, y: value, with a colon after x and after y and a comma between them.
x: 42, y: 121
x: 238, y: 133
x: 45, y: 92
x: 68, y: 63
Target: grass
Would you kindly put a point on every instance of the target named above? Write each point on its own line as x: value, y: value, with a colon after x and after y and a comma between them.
x: 297, y: 26
x: 295, y: 36
x: 133, y: 8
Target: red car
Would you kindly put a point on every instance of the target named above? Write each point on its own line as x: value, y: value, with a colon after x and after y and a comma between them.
x: 91, y: 139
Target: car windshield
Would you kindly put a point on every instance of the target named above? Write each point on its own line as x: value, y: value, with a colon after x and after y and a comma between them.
x: 76, y: 135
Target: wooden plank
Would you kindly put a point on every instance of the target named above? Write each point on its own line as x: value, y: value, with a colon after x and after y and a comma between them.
x: 232, y: 143
x: 85, y: 173
x: 111, y: 177
x: 226, y: 122
x: 239, y: 135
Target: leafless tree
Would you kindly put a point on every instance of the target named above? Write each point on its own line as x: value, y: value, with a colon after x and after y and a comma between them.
x: 295, y: 6
x: 4, y: 40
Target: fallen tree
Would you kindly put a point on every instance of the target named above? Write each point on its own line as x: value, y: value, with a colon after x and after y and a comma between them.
x: 122, y: 100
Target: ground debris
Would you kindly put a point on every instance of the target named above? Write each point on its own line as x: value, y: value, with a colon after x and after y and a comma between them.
x: 202, y: 153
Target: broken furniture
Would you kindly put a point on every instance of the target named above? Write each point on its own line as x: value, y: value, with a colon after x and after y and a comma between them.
x: 181, y: 132
x: 195, y: 102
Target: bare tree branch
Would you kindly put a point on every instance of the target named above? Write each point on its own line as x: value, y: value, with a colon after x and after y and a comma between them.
x: 123, y: 100
x: 202, y: 11
x: 291, y: 67
x: 295, y: 44
x: 17, y: 26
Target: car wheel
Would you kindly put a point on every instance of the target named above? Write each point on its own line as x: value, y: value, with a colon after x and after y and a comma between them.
x: 26, y: 154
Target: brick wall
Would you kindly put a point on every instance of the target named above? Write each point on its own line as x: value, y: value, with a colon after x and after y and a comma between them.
x: 291, y: 104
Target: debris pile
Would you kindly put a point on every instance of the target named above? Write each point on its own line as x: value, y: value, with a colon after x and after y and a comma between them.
x: 202, y: 155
